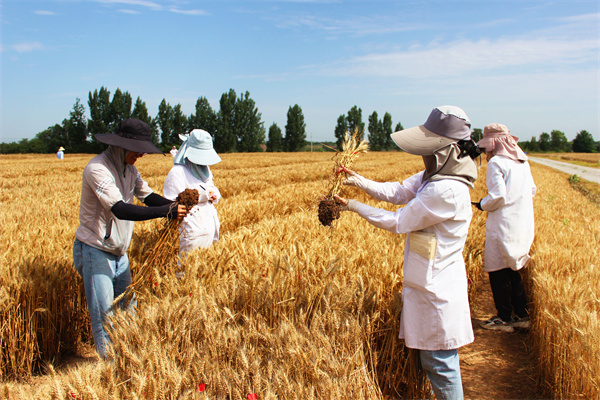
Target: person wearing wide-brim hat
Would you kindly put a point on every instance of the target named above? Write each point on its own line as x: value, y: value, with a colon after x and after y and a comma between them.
x: 191, y: 170
x: 510, y: 226
x: 60, y: 153
x: 435, y: 316
x: 106, y: 214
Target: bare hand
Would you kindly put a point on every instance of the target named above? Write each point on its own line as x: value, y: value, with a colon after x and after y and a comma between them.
x: 344, y: 170
x: 181, y: 211
x: 212, y: 196
x: 340, y: 200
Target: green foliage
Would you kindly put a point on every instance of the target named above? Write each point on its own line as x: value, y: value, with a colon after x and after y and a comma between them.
x: 275, y: 141
x: 164, y: 121
x: 340, y: 130
x: 295, y: 129
x: 225, y: 137
x: 205, y: 117
x: 375, y: 128
x: 477, y: 134
x: 249, y: 128
x: 559, y: 142
x: 584, y: 143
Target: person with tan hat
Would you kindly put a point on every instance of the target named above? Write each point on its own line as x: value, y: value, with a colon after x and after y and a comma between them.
x: 509, y: 227
x: 60, y: 153
x: 435, y: 316
x: 191, y: 170
x: 106, y: 214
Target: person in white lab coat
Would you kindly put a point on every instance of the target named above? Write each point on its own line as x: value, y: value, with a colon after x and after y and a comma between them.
x: 200, y: 228
x: 509, y: 227
x: 435, y: 316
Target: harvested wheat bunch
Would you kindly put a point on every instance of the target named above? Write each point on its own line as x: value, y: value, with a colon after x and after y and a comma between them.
x: 352, y: 146
x: 163, y: 256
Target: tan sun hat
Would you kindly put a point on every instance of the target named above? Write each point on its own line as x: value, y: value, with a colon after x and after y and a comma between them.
x: 445, y: 125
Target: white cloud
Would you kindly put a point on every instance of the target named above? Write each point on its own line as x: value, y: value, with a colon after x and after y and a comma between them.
x: 27, y: 47
x: 469, y: 57
x: 141, y: 3
x: 188, y: 12
x: 127, y: 11
x: 44, y: 12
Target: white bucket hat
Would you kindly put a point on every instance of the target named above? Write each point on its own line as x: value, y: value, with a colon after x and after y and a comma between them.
x: 198, y: 148
x: 445, y: 125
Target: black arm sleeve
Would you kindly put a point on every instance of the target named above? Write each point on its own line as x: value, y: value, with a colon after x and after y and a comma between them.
x: 154, y: 200
x: 132, y: 212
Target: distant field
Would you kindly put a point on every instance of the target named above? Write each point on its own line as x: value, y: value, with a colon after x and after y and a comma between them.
x: 583, y: 159
x: 281, y: 306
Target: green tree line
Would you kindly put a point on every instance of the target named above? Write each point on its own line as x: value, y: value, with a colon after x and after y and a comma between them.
x: 556, y: 142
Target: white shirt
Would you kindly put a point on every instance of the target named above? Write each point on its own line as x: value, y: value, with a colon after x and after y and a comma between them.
x: 435, y: 311
x: 510, y: 225
x: 200, y: 227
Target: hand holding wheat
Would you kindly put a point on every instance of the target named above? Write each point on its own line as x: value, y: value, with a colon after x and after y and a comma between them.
x: 351, y: 148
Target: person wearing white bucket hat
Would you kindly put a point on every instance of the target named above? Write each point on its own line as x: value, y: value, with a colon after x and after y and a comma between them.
x: 200, y: 228
x: 509, y: 227
x: 435, y: 316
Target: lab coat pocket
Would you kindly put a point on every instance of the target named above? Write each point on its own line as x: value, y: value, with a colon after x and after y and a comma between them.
x: 418, y: 269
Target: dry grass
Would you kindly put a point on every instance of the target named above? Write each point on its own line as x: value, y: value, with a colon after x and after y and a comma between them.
x: 281, y: 306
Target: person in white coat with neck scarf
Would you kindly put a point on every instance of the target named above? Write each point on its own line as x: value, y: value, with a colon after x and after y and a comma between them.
x: 435, y: 316
x: 510, y: 226
x: 200, y: 227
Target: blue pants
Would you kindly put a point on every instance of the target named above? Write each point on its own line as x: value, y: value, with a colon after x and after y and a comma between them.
x: 443, y: 371
x: 105, y: 277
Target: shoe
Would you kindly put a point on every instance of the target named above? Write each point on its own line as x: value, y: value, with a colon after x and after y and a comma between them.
x: 524, y: 322
x: 497, y: 324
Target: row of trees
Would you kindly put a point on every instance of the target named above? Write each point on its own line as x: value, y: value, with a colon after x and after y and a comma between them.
x: 236, y: 126
x: 557, y: 142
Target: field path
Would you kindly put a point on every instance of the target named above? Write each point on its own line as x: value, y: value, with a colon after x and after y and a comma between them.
x: 587, y: 173
x: 496, y: 365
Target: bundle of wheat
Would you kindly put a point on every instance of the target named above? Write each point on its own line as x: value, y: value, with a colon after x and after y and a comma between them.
x: 352, y: 146
x: 162, y: 258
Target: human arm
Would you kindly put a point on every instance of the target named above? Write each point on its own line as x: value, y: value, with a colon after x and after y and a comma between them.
x: 496, y: 185
x: 393, y: 192
x: 435, y: 203
x: 131, y: 212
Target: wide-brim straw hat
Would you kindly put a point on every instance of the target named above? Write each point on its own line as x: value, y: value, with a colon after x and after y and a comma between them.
x: 133, y: 135
x: 61, y: 148
x: 198, y: 148
x: 445, y: 125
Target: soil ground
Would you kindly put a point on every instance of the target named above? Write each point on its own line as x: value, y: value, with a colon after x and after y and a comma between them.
x: 497, y: 364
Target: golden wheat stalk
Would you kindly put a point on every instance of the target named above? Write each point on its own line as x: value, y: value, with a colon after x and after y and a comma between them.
x: 352, y: 146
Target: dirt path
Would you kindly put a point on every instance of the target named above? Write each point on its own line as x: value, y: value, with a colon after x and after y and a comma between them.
x: 496, y: 365
x: 587, y: 173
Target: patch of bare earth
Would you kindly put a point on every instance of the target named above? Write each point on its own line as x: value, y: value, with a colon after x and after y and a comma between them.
x: 497, y: 364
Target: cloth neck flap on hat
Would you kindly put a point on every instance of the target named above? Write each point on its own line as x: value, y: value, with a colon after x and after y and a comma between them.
x: 505, y: 145
x: 446, y: 164
x: 200, y: 172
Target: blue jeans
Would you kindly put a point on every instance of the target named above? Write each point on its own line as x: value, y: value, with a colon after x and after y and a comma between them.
x: 443, y: 371
x: 105, y: 277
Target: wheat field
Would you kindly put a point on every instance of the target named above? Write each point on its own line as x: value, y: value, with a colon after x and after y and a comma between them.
x: 281, y: 307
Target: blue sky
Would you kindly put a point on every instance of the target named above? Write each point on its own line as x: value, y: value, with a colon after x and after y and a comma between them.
x: 532, y: 65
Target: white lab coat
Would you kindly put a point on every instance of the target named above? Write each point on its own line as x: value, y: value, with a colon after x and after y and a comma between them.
x: 509, y: 203
x: 200, y: 227
x: 435, y: 311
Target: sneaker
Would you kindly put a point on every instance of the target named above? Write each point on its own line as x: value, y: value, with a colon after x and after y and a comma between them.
x: 497, y: 324
x: 524, y: 322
